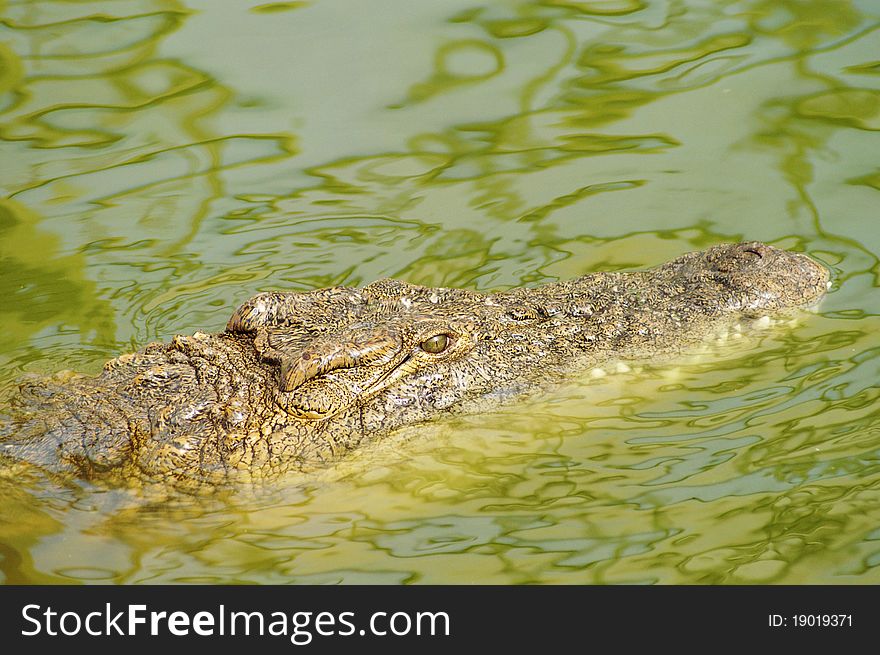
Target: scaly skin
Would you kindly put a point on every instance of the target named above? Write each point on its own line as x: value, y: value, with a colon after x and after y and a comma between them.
x: 299, y: 379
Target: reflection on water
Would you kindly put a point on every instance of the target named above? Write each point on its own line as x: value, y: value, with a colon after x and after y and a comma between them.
x: 164, y: 160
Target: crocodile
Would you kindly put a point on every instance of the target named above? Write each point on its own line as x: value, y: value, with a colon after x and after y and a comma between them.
x: 299, y: 379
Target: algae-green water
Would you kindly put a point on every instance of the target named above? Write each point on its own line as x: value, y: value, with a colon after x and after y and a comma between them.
x: 162, y: 161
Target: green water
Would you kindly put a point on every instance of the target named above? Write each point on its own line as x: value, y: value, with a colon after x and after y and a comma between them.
x: 161, y: 161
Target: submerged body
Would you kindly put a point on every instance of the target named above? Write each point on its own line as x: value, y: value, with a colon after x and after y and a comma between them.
x: 299, y: 379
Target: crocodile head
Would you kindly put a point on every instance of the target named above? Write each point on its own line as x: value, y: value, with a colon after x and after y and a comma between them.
x: 393, y: 353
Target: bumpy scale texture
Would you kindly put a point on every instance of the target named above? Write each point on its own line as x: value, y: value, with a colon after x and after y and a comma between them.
x: 297, y: 380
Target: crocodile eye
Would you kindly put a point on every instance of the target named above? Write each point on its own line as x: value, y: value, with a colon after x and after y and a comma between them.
x: 436, y: 344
